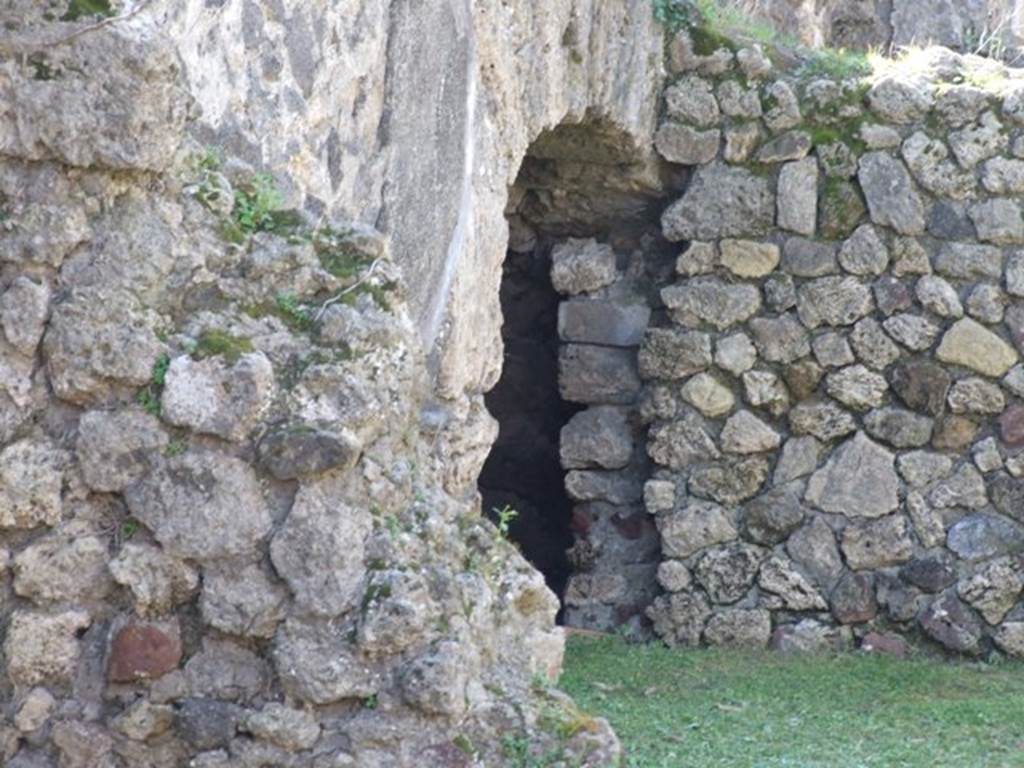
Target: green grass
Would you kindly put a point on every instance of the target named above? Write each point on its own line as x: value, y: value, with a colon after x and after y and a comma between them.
x: 718, y: 709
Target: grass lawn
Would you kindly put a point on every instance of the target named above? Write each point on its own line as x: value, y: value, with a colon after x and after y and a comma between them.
x: 711, y: 708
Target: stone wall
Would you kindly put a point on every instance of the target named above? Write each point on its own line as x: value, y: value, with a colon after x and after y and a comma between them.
x: 234, y: 522
x: 833, y: 384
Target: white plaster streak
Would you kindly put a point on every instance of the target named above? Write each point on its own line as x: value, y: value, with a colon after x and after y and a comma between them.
x: 464, y: 222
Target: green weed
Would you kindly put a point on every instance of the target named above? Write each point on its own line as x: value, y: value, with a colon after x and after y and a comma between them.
x: 175, y: 448
x: 505, y: 516
x: 294, y: 315
x: 256, y: 204
x: 83, y: 9
x: 149, y: 396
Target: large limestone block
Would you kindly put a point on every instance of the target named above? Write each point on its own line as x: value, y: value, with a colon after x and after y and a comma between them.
x: 43, y: 648
x: 202, y: 506
x: 319, y: 549
x: 710, y: 300
x: 599, y: 375
x: 598, y: 321
x: 859, y: 480
x: 687, y: 146
x: 212, y: 397
x: 721, y: 202
x: 31, y: 476
x: 972, y: 345
x: 892, y: 199
x: 70, y: 118
x: 798, y: 196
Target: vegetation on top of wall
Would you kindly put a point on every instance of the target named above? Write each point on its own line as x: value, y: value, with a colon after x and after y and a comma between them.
x: 837, y: 63
x: 716, y: 24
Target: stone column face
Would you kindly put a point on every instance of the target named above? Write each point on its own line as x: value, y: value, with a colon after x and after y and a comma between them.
x: 603, y: 320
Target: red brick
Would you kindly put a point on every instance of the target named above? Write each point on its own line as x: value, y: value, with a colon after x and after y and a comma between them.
x: 142, y: 651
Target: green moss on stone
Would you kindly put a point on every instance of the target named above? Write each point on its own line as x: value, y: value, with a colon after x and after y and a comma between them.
x: 217, y: 343
x: 706, y: 41
x: 842, y: 208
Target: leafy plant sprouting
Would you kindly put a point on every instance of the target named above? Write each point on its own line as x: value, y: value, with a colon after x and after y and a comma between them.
x: 80, y: 9
x: 149, y: 396
x: 293, y: 313
x: 255, y: 205
x: 505, y: 517
x: 210, y: 159
x: 129, y: 528
x: 672, y: 14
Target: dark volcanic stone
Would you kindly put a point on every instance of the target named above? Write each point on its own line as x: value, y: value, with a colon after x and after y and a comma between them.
x: 901, y: 601
x: 928, y: 573
x: 949, y: 221
x: 207, y: 723
x: 981, y: 536
x: 1011, y: 426
x: 294, y: 452
x: 1014, y: 322
x: 891, y: 295
x: 885, y: 643
x: 953, y: 624
x: 853, y: 599
x: 802, y: 378
x: 1008, y: 495
x: 922, y: 386
x: 771, y: 517
x: 603, y: 375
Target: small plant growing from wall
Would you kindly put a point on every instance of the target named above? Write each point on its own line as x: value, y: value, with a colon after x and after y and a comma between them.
x: 149, y: 396
x: 673, y: 14
x: 255, y: 205
x: 84, y: 9
x: 504, y: 517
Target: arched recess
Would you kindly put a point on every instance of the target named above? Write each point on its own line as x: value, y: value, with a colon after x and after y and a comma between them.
x: 570, y: 359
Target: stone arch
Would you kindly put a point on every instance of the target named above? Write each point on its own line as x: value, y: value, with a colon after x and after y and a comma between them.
x: 584, y: 237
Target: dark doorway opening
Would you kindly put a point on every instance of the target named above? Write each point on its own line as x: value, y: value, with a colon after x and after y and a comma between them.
x: 589, y: 181
x: 523, y: 471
